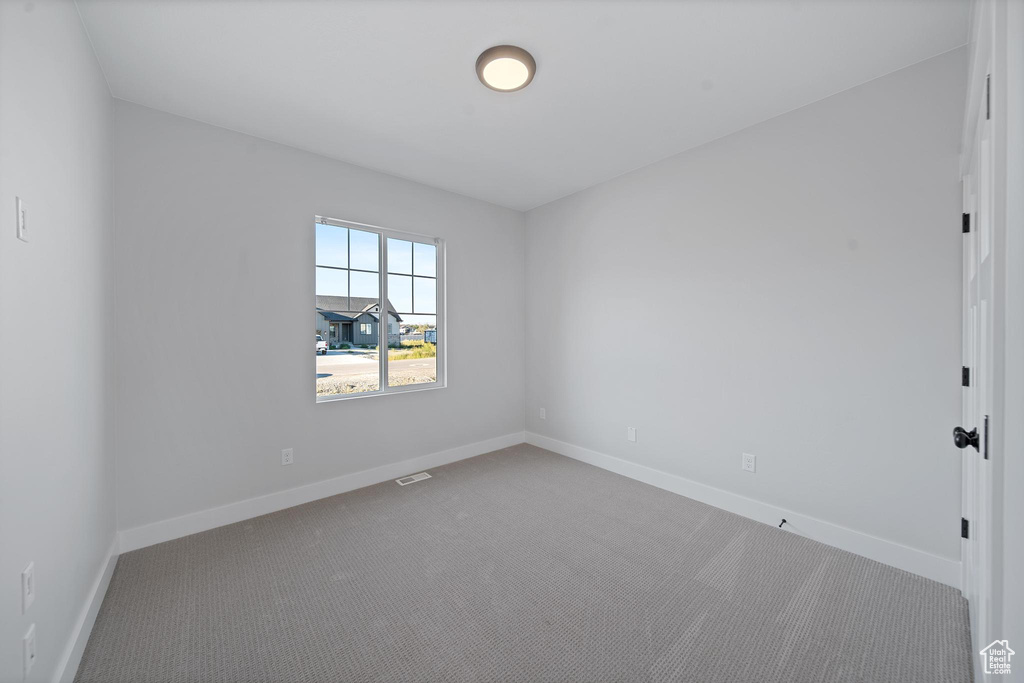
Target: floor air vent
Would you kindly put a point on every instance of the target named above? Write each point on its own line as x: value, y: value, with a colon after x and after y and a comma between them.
x: 412, y: 479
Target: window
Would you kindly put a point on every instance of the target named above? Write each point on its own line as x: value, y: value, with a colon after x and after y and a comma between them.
x: 357, y: 268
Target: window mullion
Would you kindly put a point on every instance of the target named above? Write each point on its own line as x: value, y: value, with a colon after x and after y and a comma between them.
x: 384, y: 319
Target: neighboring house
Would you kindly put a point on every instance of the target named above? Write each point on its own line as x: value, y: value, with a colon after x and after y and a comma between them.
x: 353, y: 320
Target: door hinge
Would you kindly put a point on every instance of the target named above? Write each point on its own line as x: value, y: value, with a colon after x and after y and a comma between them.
x: 965, y: 376
x: 967, y: 222
x: 984, y: 438
x: 988, y: 97
x: 965, y: 528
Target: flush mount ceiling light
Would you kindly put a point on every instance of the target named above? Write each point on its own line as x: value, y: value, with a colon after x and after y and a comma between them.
x: 505, y: 68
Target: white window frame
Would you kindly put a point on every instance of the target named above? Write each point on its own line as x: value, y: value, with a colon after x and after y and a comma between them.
x: 382, y: 345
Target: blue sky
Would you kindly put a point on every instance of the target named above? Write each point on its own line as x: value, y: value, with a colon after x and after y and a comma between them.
x: 411, y: 267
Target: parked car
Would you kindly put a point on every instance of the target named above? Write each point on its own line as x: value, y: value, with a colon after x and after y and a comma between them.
x: 321, y: 345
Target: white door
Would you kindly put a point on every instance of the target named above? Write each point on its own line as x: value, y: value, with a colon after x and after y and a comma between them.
x: 977, y: 392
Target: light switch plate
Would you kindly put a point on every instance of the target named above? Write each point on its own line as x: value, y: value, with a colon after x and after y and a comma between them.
x: 28, y: 586
x: 22, y: 229
x: 631, y: 434
x: 543, y: 414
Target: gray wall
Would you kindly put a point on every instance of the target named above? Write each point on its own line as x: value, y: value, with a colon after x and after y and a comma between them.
x: 799, y: 284
x: 209, y: 220
x: 56, y: 461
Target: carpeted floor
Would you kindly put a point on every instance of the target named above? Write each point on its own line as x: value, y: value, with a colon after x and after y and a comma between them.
x: 518, y: 565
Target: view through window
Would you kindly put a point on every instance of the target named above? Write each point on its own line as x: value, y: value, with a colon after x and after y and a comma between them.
x: 350, y: 289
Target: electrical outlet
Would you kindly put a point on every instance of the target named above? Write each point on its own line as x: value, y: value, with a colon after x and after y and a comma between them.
x: 543, y: 414
x: 28, y: 586
x: 28, y: 650
x: 749, y: 462
x: 631, y: 434
x: 22, y: 229
x: 287, y: 456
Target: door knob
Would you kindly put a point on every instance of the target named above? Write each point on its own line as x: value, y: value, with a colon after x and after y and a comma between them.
x: 963, y: 438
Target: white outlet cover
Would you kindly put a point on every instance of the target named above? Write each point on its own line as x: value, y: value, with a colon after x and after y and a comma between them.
x: 749, y: 462
x: 22, y: 229
x: 28, y: 649
x: 287, y: 456
x: 28, y: 586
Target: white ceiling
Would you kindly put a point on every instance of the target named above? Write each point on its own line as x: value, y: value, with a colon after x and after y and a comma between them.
x: 390, y: 84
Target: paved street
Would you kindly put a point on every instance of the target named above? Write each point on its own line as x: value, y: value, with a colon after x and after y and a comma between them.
x: 341, y: 364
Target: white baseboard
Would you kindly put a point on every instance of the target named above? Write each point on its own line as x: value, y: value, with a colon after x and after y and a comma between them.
x: 72, y: 655
x: 887, y: 552
x: 903, y: 557
x: 176, y: 527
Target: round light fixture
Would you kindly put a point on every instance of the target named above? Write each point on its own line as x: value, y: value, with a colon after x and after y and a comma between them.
x: 505, y: 68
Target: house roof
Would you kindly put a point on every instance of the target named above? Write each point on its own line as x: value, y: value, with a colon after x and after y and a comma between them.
x: 333, y: 317
x: 349, y: 307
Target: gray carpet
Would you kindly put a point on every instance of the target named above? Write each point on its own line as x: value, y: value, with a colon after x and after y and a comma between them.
x: 518, y: 565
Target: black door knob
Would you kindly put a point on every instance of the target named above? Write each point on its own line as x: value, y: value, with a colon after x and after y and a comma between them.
x: 963, y: 438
